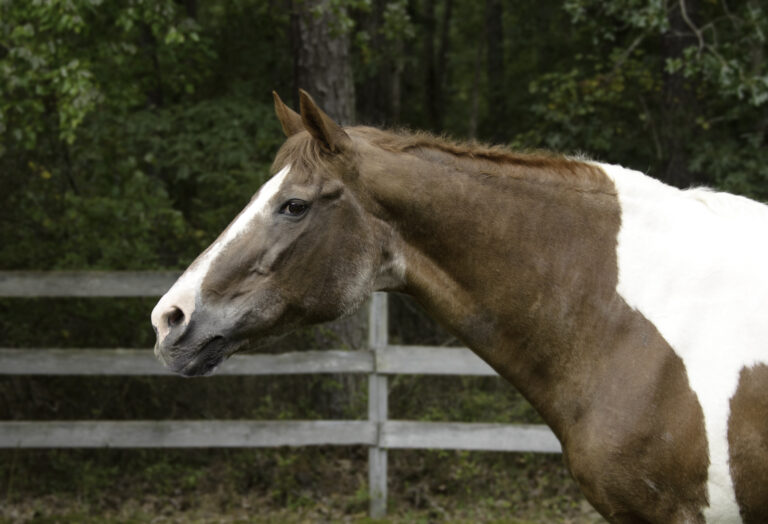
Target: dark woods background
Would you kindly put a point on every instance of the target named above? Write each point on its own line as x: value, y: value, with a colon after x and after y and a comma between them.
x: 132, y: 132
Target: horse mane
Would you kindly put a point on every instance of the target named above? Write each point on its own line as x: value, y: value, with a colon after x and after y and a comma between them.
x: 402, y: 141
x: 301, y: 149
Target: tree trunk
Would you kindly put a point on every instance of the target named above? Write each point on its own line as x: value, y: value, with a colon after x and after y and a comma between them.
x: 430, y: 67
x: 435, y: 61
x: 396, y: 82
x: 322, y: 63
x: 373, y: 105
x: 441, y: 70
x: 679, y: 100
x: 474, y: 105
x: 494, y: 34
x: 322, y: 66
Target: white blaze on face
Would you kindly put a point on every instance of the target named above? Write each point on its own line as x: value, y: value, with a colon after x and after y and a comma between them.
x: 694, y: 264
x: 185, y: 293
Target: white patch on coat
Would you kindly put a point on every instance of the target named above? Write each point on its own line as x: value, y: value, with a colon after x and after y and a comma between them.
x: 185, y: 292
x: 695, y: 263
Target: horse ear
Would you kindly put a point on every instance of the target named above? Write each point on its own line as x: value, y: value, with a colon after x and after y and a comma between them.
x: 330, y: 134
x: 289, y: 119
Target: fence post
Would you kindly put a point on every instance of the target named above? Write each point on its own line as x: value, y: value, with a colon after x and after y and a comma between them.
x: 378, y: 329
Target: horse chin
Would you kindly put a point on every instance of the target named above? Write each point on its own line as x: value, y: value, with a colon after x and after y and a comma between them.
x: 202, y: 361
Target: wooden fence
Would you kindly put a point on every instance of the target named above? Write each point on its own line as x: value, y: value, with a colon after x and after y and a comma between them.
x: 378, y: 361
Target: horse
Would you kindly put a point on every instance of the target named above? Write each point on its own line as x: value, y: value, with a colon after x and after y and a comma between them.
x: 632, y: 315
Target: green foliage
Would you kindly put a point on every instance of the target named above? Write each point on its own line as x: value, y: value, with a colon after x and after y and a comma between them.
x: 396, y: 22
x: 616, y: 97
x: 47, y: 82
x: 471, y: 399
x: 727, y: 45
x: 133, y: 132
x: 340, y: 13
x: 63, y: 59
x: 739, y: 164
x: 147, y: 190
x: 72, y: 322
x: 109, y: 159
x: 571, y: 102
x: 375, y: 43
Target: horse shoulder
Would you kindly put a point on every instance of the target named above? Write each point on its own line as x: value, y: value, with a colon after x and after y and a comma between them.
x: 639, y: 451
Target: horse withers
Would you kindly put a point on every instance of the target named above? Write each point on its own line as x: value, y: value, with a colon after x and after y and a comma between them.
x: 632, y: 315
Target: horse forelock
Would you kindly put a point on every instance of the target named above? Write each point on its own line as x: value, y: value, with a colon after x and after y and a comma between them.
x: 302, y: 152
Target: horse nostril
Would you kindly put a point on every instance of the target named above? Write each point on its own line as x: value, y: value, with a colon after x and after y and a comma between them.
x: 174, y: 317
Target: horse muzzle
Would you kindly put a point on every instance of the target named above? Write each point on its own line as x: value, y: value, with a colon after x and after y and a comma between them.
x: 194, y: 348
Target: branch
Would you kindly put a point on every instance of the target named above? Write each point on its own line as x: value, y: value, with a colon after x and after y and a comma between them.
x: 730, y: 16
x: 689, y: 23
x: 626, y: 53
x: 700, y: 37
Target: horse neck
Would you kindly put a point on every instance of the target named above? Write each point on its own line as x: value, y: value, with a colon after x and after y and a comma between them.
x: 513, y: 258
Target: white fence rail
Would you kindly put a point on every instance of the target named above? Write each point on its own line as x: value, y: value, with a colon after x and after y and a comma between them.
x: 378, y: 361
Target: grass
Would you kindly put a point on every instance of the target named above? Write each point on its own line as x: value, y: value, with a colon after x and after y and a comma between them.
x: 283, y: 485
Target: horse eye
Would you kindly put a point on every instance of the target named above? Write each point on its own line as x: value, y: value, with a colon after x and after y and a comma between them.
x: 294, y: 208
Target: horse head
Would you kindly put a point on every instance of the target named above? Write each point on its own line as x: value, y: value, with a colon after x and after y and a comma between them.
x: 302, y: 251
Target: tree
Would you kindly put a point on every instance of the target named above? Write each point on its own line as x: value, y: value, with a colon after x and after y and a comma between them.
x: 679, y: 97
x: 320, y: 36
x: 665, y: 86
x: 497, y: 92
x: 380, y: 58
x: 115, y: 136
x: 436, y: 41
